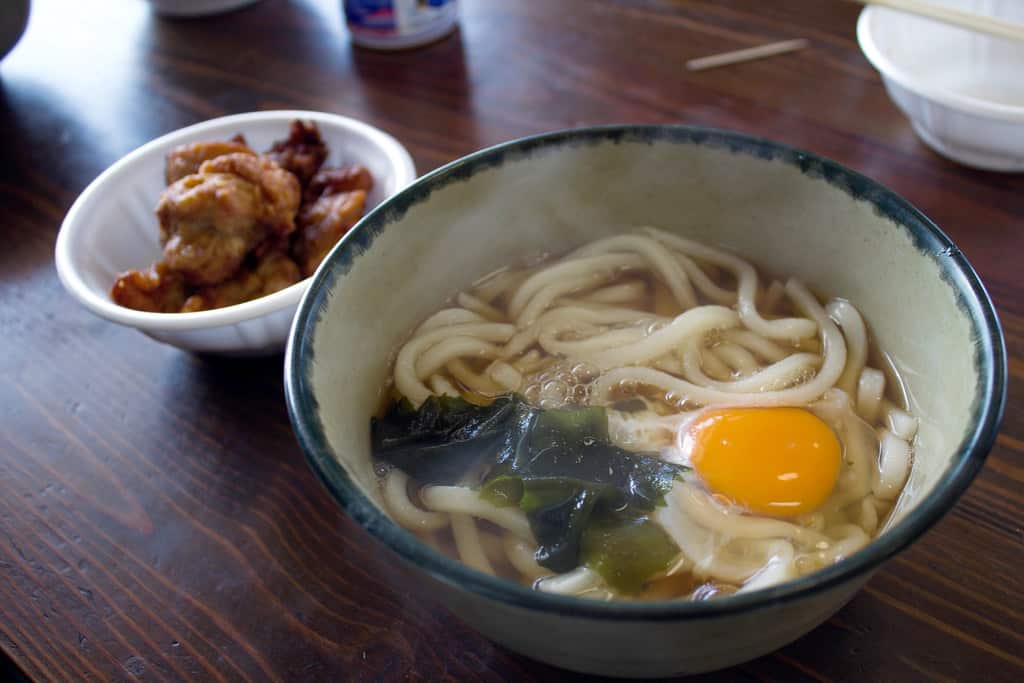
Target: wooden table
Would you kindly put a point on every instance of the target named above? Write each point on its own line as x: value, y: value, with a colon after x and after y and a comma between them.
x: 157, y: 520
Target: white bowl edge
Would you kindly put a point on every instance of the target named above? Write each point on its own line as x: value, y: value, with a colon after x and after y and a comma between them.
x: 889, y: 70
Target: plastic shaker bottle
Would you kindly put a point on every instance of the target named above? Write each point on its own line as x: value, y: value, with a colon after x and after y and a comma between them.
x: 399, y: 24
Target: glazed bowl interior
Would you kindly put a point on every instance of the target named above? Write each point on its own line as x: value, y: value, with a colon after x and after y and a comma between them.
x: 787, y: 211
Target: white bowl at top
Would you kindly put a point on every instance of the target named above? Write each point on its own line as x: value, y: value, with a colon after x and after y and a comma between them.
x: 111, y: 228
x: 963, y: 91
x: 196, y: 8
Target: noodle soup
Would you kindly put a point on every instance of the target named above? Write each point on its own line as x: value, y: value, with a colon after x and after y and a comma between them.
x: 643, y: 418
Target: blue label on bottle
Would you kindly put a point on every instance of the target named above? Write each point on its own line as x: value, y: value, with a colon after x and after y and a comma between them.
x: 378, y: 14
x: 398, y: 19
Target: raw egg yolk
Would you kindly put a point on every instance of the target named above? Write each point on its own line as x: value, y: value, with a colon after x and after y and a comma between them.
x: 781, y: 462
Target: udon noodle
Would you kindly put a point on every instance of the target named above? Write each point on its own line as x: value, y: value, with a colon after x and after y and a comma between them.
x: 662, y: 332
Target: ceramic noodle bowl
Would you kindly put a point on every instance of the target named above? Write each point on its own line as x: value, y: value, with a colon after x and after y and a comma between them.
x: 788, y: 212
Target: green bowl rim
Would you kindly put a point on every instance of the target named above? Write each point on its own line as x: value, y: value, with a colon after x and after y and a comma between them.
x: 987, y: 411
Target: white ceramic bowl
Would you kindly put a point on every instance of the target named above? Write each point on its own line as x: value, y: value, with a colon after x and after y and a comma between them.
x: 963, y: 91
x: 111, y: 228
x: 787, y: 210
x: 196, y: 8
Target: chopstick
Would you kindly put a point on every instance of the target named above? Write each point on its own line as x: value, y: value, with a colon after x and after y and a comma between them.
x: 745, y: 55
x: 968, y: 20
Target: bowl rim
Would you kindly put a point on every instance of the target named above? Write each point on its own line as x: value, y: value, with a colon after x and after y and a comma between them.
x: 876, y: 55
x: 400, y: 162
x: 970, y: 454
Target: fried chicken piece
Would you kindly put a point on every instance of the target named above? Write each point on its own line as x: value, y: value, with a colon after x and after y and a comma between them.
x: 186, y: 159
x: 236, y: 225
x: 302, y: 153
x: 210, y: 220
x: 333, y: 202
x: 272, y: 272
x: 279, y: 188
x: 155, y: 289
x: 321, y: 225
x: 338, y: 180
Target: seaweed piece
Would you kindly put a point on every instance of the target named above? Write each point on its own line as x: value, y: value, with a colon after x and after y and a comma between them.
x: 443, y: 439
x: 586, y: 499
x: 564, y: 472
x: 626, y: 552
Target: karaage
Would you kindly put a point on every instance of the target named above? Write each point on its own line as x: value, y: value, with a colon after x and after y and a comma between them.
x: 236, y: 225
x: 187, y: 159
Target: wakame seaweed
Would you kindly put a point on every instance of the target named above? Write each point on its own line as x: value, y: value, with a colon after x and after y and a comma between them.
x: 586, y: 499
x: 444, y: 438
x: 571, y: 476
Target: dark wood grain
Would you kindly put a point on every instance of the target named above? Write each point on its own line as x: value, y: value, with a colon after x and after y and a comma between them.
x: 157, y: 520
